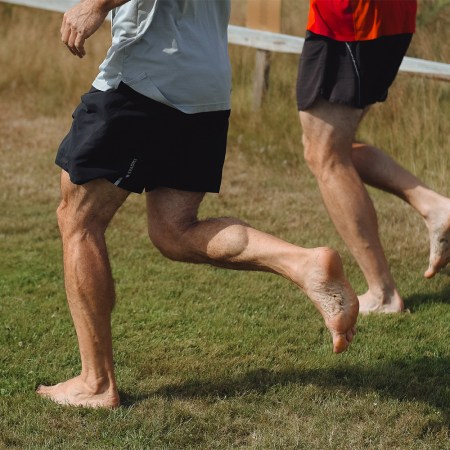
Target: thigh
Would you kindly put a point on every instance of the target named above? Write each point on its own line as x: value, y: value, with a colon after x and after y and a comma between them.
x: 330, y: 126
x: 172, y: 208
x: 94, y: 202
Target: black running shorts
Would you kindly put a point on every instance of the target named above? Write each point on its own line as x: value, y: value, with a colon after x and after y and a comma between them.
x: 357, y: 74
x: 138, y: 143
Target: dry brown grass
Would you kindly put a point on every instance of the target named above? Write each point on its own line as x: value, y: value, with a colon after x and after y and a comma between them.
x: 37, y: 75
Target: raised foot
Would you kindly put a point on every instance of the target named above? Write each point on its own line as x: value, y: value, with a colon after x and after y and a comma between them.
x: 326, y: 285
x: 439, y: 229
x: 75, y: 392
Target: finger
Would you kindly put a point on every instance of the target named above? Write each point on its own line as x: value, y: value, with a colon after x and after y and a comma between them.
x: 71, y: 43
x: 71, y: 39
x: 79, y: 45
x: 63, y: 25
x: 69, y: 48
x: 72, y: 51
x: 65, y: 33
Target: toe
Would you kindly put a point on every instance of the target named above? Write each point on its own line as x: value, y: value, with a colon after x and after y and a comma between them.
x: 43, y: 391
x: 340, y: 343
x: 351, y: 334
x: 432, y: 270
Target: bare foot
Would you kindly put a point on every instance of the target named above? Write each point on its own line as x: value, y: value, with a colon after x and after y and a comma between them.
x: 439, y: 229
x: 326, y: 285
x: 380, y: 304
x: 75, y: 392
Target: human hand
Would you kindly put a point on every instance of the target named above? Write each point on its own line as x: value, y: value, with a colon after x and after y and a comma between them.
x: 81, y: 22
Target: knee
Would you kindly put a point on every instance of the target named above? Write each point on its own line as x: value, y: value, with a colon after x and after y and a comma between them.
x: 168, y: 239
x: 314, y: 155
x: 324, y: 156
x: 62, y: 216
x: 74, y: 221
x: 220, y: 240
x: 308, y: 153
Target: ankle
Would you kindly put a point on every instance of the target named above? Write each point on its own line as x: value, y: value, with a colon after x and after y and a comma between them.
x: 382, y: 296
x: 97, y: 384
x: 385, y: 294
x: 431, y: 206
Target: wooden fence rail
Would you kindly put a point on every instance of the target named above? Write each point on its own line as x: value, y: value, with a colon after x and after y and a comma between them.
x: 265, y: 42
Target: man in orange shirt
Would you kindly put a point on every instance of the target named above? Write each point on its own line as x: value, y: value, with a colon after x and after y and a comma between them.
x: 352, y: 53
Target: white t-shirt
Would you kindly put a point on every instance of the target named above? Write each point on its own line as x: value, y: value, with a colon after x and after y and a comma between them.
x: 172, y: 51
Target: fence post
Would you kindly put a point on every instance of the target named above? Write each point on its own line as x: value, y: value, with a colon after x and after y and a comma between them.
x: 261, y: 77
x: 262, y: 15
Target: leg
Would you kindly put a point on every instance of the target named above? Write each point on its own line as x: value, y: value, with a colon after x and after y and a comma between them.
x: 83, y: 215
x: 328, y: 133
x: 379, y: 170
x: 226, y: 242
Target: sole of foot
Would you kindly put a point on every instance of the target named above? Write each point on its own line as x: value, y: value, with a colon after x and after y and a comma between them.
x: 331, y: 293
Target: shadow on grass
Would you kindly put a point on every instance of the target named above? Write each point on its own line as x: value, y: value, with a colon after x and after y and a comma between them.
x: 425, y: 380
x: 416, y: 300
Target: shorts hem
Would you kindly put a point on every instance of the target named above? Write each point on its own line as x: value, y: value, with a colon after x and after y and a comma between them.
x: 183, y: 188
x: 336, y: 101
x: 136, y: 190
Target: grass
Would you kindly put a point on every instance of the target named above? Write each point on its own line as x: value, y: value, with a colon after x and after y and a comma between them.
x: 208, y: 358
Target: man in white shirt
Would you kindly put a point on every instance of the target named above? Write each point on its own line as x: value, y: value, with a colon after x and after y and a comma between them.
x: 156, y: 119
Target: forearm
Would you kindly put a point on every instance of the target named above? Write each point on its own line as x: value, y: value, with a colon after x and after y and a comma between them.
x: 108, y: 5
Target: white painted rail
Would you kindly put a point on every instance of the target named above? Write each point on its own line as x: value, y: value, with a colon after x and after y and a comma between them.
x: 283, y: 43
x: 50, y: 5
x: 264, y: 40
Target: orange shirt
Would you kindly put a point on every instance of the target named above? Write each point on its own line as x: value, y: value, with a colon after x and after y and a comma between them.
x: 361, y: 20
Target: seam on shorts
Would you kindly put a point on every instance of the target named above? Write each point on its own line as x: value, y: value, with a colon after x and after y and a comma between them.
x: 356, y: 71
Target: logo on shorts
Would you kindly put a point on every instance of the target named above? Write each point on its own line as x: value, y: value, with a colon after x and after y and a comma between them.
x: 131, y: 168
x: 173, y: 49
